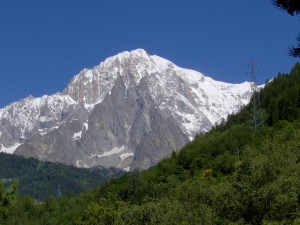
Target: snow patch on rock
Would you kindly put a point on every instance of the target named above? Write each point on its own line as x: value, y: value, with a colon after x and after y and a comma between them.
x: 9, y: 150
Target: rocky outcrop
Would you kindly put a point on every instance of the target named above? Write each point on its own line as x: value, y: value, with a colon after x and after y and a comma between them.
x: 129, y: 112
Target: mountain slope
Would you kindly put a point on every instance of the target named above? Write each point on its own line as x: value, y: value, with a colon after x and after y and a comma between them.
x: 44, y: 179
x: 130, y: 111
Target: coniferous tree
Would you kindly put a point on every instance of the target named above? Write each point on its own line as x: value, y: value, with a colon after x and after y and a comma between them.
x: 293, y: 8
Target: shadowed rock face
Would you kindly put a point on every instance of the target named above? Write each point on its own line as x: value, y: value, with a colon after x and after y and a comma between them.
x: 126, y: 130
x: 56, y: 146
x: 129, y: 112
x: 128, y: 119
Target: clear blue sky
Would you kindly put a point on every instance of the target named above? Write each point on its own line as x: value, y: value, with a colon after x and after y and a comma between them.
x: 44, y: 43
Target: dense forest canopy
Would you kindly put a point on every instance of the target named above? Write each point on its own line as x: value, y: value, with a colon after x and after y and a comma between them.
x: 43, y: 179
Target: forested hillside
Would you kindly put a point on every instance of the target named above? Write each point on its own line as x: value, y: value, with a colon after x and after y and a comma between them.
x: 44, y: 179
x: 231, y: 175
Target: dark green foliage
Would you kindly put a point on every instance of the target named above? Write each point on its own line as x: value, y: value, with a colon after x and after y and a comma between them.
x: 42, y: 179
x: 214, y: 186
x: 293, y: 8
x: 281, y: 97
x: 7, y: 201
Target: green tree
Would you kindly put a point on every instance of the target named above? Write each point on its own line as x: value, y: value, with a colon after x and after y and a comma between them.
x: 7, y: 200
x: 293, y: 8
x: 104, y: 211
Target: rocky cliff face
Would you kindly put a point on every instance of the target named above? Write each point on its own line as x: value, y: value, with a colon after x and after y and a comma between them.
x: 130, y: 111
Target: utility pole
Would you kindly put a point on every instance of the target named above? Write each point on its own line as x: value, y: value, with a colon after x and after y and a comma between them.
x: 238, y: 151
x: 257, y: 117
x: 59, y: 191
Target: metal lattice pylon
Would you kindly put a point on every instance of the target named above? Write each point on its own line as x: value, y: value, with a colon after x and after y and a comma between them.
x: 257, y: 116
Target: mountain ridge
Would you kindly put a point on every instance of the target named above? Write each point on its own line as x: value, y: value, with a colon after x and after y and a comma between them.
x: 133, y: 86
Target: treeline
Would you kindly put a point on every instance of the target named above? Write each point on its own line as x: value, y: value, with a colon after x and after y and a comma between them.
x: 281, y: 97
x: 231, y: 175
x: 280, y: 100
x: 208, y: 182
x: 43, y: 179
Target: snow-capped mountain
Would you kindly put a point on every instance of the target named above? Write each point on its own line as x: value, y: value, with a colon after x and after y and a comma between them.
x: 130, y: 111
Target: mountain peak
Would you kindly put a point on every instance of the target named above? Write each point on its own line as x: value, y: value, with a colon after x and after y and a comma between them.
x: 124, y: 57
x: 129, y: 111
x: 136, y: 52
x: 139, y: 52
